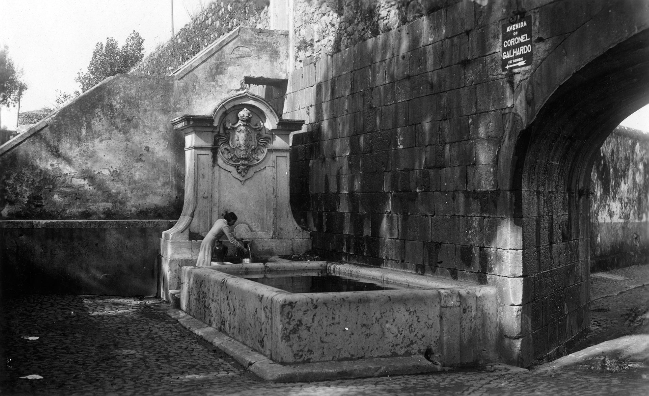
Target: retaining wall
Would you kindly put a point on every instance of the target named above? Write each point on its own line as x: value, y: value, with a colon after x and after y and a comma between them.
x: 109, y: 154
x: 80, y: 257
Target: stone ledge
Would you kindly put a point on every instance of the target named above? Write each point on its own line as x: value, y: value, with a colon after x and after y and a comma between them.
x: 86, y: 223
x: 269, y: 370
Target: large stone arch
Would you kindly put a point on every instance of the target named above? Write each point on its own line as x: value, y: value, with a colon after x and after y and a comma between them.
x: 618, y: 27
x: 562, y: 114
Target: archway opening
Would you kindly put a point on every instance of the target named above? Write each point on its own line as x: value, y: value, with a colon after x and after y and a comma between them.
x: 552, y: 163
x: 619, y: 196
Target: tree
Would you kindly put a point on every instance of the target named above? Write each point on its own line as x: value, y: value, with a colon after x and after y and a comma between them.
x: 132, y: 51
x: 11, y: 88
x: 108, y: 60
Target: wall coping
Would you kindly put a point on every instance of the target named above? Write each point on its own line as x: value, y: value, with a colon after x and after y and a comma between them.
x: 21, y: 137
x: 86, y: 223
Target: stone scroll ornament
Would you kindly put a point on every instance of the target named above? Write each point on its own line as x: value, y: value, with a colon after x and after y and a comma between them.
x: 242, y: 145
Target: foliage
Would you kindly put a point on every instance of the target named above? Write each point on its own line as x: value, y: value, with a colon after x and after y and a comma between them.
x: 63, y: 98
x: 34, y: 116
x: 109, y: 59
x: 10, y: 85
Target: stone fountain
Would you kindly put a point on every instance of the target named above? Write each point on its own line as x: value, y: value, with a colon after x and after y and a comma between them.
x: 290, y: 321
x: 236, y: 159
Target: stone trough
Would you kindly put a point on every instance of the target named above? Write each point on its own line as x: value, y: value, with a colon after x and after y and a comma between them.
x: 449, y: 322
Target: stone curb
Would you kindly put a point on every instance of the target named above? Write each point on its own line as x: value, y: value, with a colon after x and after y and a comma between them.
x: 305, y: 372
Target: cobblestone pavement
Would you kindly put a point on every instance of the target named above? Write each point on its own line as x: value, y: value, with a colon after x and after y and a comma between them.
x: 84, y: 345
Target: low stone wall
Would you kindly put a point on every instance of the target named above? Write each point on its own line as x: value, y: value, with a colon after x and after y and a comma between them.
x: 116, y: 257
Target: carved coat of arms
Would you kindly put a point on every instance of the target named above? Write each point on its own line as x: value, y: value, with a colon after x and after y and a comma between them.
x: 242, y: 145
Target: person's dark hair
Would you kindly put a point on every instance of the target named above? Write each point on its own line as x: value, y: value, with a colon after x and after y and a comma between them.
x: 229, y: 216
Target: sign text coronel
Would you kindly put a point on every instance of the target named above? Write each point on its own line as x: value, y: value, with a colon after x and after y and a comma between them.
x: 517, y: 49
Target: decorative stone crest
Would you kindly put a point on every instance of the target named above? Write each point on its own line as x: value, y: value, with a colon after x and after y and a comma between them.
x: 242, y: 145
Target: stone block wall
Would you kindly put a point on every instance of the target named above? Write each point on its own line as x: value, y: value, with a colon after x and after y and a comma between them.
x: 398, y: 165
x: 400, y: 155
x: 323, y: 27
x: 421, y: 154
x: 620, y: 207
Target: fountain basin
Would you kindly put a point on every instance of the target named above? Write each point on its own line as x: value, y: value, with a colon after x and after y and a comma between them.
x: 454, y: 323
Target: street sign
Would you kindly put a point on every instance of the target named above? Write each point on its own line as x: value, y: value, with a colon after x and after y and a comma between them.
x: 517, y: 44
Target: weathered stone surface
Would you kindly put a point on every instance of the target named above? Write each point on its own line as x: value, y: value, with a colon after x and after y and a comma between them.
x: 375, y: 323
x: 107, y: 155
x: 312, y: 327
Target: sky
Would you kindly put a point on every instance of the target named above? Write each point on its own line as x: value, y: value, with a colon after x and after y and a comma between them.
x: 52, y: 40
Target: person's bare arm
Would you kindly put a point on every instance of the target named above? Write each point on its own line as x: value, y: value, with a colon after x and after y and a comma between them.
x: 231, y: 238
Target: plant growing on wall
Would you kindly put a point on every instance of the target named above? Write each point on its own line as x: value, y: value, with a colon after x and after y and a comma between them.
x: 109, y: 59
x: 11, y: 87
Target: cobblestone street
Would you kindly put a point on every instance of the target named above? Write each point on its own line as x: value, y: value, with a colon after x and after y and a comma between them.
x: 83, y: 345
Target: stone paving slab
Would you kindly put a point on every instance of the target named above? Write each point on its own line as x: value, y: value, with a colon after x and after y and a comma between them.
x: 89, y: 345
